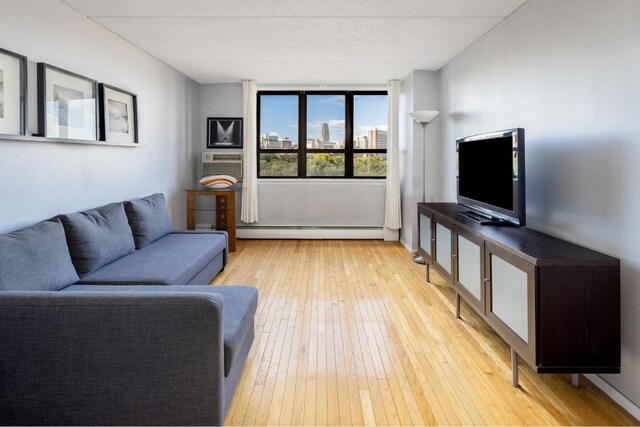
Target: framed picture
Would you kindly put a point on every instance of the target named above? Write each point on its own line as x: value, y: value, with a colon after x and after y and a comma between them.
x: 67, y: 104
x: 224, y: 132
x: 118, y: 115
x: 13, y: 91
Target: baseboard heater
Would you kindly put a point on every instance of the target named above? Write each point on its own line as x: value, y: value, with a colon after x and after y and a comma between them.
x: 310, y: 232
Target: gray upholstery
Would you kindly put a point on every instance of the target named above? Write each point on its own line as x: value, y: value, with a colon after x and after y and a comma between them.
x: 148, y: 219
x: 232, y: 378
x: 240, y: 304
x: 209, y: 271
x: 111, y: 358
x: 220, y: 232
x: 36, y: 258
x: 97, y: 237
x: 174, y: 259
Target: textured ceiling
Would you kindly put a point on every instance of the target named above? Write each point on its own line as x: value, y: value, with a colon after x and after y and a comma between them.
x: 299, y: 41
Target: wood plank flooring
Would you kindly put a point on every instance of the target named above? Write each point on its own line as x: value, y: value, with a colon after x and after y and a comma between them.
x: 348, y: 332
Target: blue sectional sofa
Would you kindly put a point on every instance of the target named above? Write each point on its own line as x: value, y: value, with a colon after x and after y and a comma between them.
x: 106, y: 318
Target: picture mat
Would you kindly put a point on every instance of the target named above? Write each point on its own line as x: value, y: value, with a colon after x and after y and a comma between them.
x: 127, y: 100
x: 80, y: 122
x: 10, y: 119
x: 70, y: 106
x: 118, y: 117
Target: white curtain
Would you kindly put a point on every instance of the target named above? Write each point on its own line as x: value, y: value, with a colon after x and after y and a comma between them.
x: 250, y: 166
x: 392, y: 213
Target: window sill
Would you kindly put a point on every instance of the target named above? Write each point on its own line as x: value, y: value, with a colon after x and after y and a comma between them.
x: 323, y: 182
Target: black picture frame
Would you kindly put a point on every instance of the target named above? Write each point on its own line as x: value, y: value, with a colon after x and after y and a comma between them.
x: 104, y: 115
x: 43, y: 129
x: 22, y: 129
x: 231, y: 130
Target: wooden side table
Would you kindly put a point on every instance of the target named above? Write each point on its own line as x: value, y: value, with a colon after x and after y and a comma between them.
x: 225, y: 211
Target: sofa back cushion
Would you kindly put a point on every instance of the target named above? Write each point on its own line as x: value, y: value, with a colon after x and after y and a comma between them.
x: 97, y: 237
x: 148, y: 219
x: 36, y: 258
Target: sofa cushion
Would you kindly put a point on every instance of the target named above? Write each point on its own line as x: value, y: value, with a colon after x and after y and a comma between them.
x: 171, y: 260
x: 148, y: 219
x: 238, y: 310
x: 36, y: 258
x: 97, y: 237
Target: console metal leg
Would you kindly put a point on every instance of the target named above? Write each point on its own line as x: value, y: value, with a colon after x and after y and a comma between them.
x: 428, y: 275
x: 457, y: 305
x: 514, y: 368
x: 575, y: 380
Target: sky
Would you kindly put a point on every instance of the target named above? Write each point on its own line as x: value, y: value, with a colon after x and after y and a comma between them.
x: 279, y: 114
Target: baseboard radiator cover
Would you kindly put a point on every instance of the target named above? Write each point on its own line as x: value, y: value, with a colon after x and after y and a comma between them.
x: 311, y: 232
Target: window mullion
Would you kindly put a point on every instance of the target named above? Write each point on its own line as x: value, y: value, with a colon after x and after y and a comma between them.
x: 348, y: 155
x: 302, y: 135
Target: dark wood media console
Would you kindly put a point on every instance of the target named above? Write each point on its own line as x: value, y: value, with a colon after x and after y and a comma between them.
x: 555, y: 303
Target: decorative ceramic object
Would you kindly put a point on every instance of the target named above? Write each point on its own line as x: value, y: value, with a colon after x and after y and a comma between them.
x: 218, y: 181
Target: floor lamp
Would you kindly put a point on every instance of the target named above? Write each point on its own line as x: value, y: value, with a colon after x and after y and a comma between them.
x: 423, y: 118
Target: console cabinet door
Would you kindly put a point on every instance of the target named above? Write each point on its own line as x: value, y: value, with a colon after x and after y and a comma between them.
x: 511, y: 305
x: 468, y: 263
x: 425, y: 236
x: 443, y: 248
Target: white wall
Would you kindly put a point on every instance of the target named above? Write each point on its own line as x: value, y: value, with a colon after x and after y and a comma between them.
x: 297, y: 202
x: 39, y: 180
x: 419, y: 178
x: 568, y: 71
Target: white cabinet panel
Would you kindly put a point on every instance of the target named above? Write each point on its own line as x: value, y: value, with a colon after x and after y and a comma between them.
x: 509, y: 296
x: 469, y: 266
x: 443, y: 247
x: 425, y: 233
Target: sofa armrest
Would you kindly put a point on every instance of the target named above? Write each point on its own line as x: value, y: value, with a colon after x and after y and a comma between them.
x: 111, y: 358
x: 222, y: 232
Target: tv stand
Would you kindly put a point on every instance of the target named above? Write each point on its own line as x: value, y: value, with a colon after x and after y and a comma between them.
x: 556, y: 304
x: 486, y: 219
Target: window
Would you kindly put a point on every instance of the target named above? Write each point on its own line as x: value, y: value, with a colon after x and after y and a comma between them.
x: 322, y: 134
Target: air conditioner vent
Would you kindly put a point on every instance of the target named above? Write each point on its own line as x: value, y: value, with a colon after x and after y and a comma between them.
x: 221, y: 162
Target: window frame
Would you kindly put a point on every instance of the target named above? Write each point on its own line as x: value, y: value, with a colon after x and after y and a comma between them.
x: 348, y: 151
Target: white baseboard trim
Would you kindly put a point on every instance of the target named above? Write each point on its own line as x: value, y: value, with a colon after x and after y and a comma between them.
x: 618, y: 397
x: 406, y: 245
x: 391, y: 235
x: 311, y: 233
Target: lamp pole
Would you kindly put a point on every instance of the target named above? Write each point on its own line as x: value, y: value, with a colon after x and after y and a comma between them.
x: 423, y: 118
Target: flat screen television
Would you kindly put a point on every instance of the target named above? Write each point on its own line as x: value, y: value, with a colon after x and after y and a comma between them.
x: 491, y: 179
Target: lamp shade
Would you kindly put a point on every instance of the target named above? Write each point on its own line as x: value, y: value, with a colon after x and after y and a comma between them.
x: 423, y: 117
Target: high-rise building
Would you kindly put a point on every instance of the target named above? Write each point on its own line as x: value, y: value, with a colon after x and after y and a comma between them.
x: 377, y: 139
x: 361, y: 142
x: 325, y: 136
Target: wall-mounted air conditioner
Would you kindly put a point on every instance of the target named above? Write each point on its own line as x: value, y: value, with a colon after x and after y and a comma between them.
x: 221, y: 162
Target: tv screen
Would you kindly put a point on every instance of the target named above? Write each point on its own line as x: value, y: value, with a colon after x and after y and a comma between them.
x: 491, y: 178
x: 485, y: 171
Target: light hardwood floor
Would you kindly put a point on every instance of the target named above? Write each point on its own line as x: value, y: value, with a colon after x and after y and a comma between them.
x: 350, y: 333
